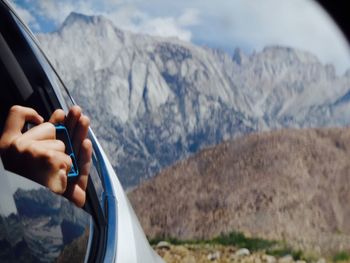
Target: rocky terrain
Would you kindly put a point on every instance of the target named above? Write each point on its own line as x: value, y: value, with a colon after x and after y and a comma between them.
x: 288, y: 185
x: 221, y: 254
x: 159, y: 100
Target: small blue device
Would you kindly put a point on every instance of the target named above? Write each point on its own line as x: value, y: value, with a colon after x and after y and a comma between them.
x: 62, y: 134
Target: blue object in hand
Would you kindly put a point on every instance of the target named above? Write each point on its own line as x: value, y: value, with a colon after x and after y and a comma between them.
x: 62, y: 134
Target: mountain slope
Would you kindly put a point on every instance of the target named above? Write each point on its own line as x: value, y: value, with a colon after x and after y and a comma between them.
x: 160, y: 100
x: 288, y: 185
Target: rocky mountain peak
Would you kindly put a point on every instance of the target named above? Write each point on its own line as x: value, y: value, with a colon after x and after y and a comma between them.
x: 239, y: 56
x: 87, y: 28
x: 288, y: 55
x: 78, y: 18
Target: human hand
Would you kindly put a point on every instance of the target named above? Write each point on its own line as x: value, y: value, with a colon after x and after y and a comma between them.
x: 78, y: 127
x: 35, y: 154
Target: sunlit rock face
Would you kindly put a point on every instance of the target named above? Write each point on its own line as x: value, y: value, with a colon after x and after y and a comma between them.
x: 154, y: 100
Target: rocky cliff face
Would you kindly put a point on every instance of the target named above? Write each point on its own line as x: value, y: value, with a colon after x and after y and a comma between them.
x: 290, y: 185
x: 161, y: 100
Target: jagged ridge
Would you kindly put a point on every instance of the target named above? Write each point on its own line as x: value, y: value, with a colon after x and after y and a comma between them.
x: 160, y: 100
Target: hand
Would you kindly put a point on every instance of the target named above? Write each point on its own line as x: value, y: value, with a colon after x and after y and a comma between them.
x: 78, y: 126
x: 35, y: 154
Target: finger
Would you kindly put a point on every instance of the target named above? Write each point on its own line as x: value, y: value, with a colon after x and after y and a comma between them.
x: 80, y: 133
x: 57, y: 183
x: 17, y: 117
x: 58, y: 165
x: 55, y: 145
x: 45, y: 131
x: 75, y: 194
x: 58, y: 116
x: 84, y: 163
x: 63, y: 161
x: 72, y: 119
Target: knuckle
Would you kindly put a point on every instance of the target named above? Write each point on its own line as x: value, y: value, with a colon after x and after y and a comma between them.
x: 59, y: 186
x: 16, y: 109
x: 31, y: 149
x: 17, y: 145
x: 69, y: 162
x: 63, y: 181
x: 50, y: 126
x: 61, y: 145
x: 50, y: 157
x: 51, y: 129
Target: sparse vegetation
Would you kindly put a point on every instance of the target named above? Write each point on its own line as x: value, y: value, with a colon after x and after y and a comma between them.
x: 341, y: 256
x: 286, y: 250
x: 257, y: 246
x: 232, y: 239
x: 239, y: 240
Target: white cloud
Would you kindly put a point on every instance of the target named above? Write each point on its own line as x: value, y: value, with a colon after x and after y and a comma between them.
x: 57, y: 11
x: 189, y: 18
x: 122, y: 13
x: 132, y: 19
x: 295, y: 23
x: 165, y: 27
x: 26, y: 16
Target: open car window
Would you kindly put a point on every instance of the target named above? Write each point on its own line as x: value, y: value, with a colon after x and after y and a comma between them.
x: 64, y: 98
x: 49, y: 227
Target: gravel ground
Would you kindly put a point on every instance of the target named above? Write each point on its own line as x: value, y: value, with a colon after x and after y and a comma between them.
x: 219, y: 254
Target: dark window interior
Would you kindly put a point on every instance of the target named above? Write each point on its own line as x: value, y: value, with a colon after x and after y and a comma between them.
x: 20, y: 72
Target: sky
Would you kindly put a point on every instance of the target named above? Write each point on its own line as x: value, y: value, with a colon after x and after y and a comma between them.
x: 224, y: 24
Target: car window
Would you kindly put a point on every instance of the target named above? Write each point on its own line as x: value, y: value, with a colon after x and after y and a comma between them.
x: 64, y: 98
x: 37, y: 225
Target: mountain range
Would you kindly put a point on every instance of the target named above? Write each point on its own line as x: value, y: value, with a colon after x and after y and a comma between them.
x: 160, y: 100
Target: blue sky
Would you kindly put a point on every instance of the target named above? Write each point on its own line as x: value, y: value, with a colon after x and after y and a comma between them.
x: 224, y: 24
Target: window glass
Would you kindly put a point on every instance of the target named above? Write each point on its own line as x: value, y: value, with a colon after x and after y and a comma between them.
x: 37, y: 225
